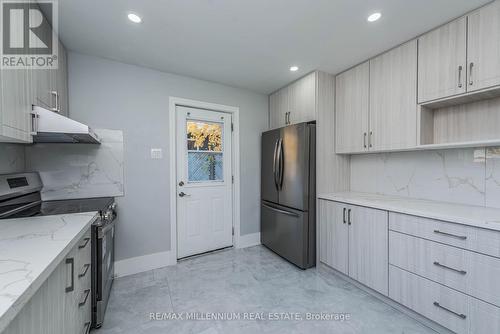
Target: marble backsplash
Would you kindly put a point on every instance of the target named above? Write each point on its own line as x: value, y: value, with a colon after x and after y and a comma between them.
x: 11, y: 158
x: 466, y: 176
x: 79, y: 170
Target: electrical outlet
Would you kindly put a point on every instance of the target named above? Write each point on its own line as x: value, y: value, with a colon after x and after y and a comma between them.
x: 156, y: 153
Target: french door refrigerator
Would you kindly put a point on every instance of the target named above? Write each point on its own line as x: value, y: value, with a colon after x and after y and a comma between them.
x: 288, y: 193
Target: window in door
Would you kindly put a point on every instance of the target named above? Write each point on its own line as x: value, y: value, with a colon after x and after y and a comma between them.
x: 205, y: 151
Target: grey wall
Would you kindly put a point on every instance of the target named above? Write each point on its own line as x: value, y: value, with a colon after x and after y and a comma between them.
x: 112, y: 95
x: 11, y: 158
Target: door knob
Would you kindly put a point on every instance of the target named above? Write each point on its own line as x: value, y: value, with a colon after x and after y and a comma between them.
x: 182, y: 194
x: 181, y: 183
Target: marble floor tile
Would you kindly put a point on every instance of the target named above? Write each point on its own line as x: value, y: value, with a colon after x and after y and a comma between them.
x: 252, y: 280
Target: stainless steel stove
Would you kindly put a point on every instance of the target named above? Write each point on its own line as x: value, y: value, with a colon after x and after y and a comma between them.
x: 20, y: 197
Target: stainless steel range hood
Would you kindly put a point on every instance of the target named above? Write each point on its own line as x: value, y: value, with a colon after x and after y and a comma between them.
x: 51, y: 127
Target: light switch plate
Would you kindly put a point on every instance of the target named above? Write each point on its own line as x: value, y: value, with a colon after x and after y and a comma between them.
x: 156, y: 153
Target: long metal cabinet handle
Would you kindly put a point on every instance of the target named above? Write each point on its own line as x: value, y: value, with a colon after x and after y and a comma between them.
x: 460, y: 315
x: 56, y: 96
x: 84, y: 270
x: 86, y: 328
x: 34, y: 124
x: 461, y: 272
x: 349, y: 217
x: 83, y: 300
x: 281, y: 211
x: 461, y: 237
x: 364, y: 140
x: 370, y: 140
x: 460, y: 76
x: 71, y: 262
x: 343, y: 215
x: 471, y: 65
x: 85, y: 242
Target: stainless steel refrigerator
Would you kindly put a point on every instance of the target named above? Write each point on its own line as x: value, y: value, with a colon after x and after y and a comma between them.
x: 288, y: 193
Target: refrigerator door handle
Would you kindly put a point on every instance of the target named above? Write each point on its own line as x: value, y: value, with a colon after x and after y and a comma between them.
x: 281, y: 164
x: 274, y: 164
x: 280, y: 211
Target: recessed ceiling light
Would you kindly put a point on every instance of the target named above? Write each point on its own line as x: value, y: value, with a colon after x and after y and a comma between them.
x: 294, y: 68
x: 374, y: 17
x: 134, y: 18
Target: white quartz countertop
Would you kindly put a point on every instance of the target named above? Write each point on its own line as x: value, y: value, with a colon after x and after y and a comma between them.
x: 478, y: 216
x: 30, y: 250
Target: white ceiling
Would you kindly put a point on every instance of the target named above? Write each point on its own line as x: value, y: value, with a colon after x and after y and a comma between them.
x: 248, y: 43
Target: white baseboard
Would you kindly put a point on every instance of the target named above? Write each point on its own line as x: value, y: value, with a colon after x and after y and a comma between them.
x: 148, y: 262
x: 249, y: 240
x: 144, y: 263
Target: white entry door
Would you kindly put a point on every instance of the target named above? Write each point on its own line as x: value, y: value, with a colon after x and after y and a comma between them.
x: 204, y: 181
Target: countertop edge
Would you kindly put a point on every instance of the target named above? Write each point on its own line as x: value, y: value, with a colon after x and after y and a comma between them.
x: 338, y: 197
x: 9, y: 315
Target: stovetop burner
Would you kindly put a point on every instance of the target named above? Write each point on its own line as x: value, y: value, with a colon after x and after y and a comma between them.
x: 20, y: 197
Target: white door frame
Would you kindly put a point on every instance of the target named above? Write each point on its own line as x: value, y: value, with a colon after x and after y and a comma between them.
x: 235, y: 156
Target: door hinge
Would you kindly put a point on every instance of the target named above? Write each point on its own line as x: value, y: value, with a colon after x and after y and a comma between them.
x: 233, y: 230
x: 232, y: 127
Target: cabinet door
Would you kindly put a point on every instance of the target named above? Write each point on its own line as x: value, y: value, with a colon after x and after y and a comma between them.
x: 393, y: 99
x: 45, y: 311
x: 483, y: 47
x: 351, y: 109
x: 302, y: 99
x: 441, y: 61
x: 368, y: 247
x: 334, y: 235
x: 15, y: 108
x: 278, y: 107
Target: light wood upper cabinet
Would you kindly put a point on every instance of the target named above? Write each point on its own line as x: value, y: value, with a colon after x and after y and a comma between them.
x: 442, y: 61
x: 483, y: 47
x: 302, y: 103
x: 294, y: 103
x: 20, y: 89
x: 334, y: 235
x: 351, y: 109
x: 278, y: 108
x: 393, y: 100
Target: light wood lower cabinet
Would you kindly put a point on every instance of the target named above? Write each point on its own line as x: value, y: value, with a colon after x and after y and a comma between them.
x: 462, y: 270
x: 353, y: 240
x: 62, y: 304
x: 434, y: 268
x: 454, y: 310
x: 368, y: 247
x: 334, y: 235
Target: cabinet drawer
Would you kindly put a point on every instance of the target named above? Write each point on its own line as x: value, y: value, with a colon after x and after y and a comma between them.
x: 454, y: 310
x: 466, y: 271
x: 443, y: 305
x: 463, y: 236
